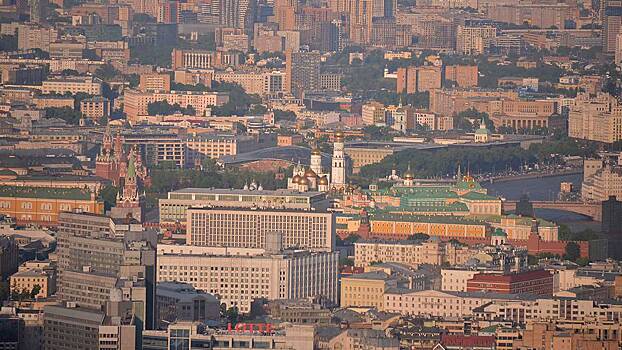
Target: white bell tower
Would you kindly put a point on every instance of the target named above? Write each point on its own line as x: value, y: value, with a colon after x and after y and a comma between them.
x: 338, y: 171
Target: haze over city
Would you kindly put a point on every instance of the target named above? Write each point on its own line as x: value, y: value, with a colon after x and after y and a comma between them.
x: 311, y: 174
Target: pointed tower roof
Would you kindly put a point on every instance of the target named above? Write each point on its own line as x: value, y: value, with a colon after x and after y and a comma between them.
x: 131, y: 169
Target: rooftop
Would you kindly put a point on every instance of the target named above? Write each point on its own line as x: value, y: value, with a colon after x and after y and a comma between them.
x: 44, y: 192
x: 234, y: 191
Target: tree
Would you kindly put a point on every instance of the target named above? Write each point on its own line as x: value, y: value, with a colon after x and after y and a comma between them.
x: 66, y: 72
x: 573, y: 251
x: 67, y: 114
x: 8, y: 42
x: 109, y: 195
x: 284, y: 115
x: 5, y: 292
x: 233, y: 314
x: 419, y: 236
x: 35, y: 290
x: 345, y: 261
x: 107, y: 72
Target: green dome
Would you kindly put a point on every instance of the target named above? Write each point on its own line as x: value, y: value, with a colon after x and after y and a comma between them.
x: 499, y: 233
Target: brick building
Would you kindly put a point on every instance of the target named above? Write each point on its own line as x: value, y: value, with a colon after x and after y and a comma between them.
x: 538, y: 282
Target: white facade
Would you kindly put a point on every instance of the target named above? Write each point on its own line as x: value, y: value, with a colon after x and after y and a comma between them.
x: 240, y: 279
x: 338, y: 171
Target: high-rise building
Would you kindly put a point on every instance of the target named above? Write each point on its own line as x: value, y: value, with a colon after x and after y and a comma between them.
x: 418, y: 79
x: 612, y: 23
x: 95, y: 262
x: 303, y: 72
x: 237, y: 13
x: 473, y: 40
x: 38, y: 10
x: 361, y: 14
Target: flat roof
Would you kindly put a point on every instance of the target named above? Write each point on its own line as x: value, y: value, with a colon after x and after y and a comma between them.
x: 234, y: 191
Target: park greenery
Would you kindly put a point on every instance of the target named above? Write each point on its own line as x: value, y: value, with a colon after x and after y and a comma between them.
x: 444, y: 162
x: 166, y: 177
x: 165, y: 108
x: 68, y: 114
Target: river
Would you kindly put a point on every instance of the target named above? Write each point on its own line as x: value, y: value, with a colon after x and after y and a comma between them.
x: 539, y: 189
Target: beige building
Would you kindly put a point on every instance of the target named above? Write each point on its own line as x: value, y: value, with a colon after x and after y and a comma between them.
x: 412, y: 253
x: 42, y: 102
x: 605, y: 182
x: 211, y: 145
x: 435, y: 303
x: 455, y: 280
x: 73, y: 84
x: 434, y: 121
x: 95, y: 108
x: 260, y: 82
x: 373, y: 113
x: 136, y: 102
x: 192, y: 59
x: 474, y: 40
x: 547, y: 336
x: 239, y: 276
x: 463, y: 76
x: 155, y: 82
x: 31, y: 279
x: 366, y: 289
x: 596, y: 118
x: 30, y: 36
x: 173, y: 208
x: 250, y: 227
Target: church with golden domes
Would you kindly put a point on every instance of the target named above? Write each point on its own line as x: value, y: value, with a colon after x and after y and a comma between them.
x: 315, y: 178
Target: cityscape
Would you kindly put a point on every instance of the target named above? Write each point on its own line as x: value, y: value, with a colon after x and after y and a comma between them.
x: 311, y: 174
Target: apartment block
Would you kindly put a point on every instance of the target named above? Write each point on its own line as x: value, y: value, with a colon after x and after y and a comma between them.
x: 463, y: 76
x: 373, y: 113
x: 240, y: 276
x: 411, y: 253
x: 96, y: 107
x: 418, y: 79
x: 30, y: 36
x: 72, y: 84
x: 136, y: 103
x: 210, y: 145
x: 366, y: 289
x: 42, y: 102
x: 249, y: 227
x: 260, y: 83
x: 155, y: 82
x: 474, y: 40
x: 596, y: 117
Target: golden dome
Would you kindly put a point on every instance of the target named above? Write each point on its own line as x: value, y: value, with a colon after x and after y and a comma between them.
x: 315, y: 152
x: 296, y: 179
x: 339, y: 134
x: 323, y: 180
x: 310, y: 173
x: 408, y: 175
x: 303, y: 181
